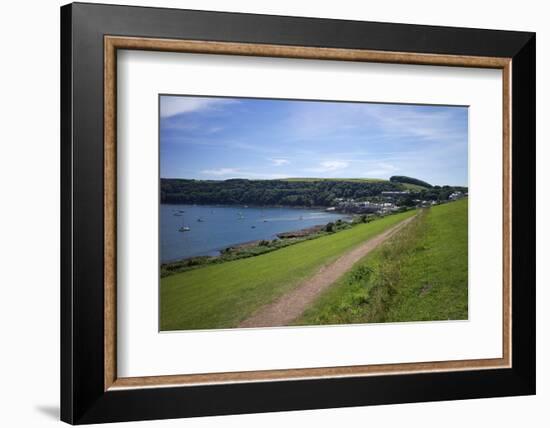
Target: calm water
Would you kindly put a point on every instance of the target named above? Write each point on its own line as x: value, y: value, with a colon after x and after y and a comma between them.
x: 223, y: 226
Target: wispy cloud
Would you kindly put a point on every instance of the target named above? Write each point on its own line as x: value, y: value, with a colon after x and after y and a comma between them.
x: 345, y: 121
x: 280, y: 162
x: 328, y: 166
x: 220, y: 138
x: 379, y: 169
x: 220, y: 172
x: 226, y: 173
x: 413, y: 121
x: 173, y: 106
x: 332, y: 165
x: 262, y: 175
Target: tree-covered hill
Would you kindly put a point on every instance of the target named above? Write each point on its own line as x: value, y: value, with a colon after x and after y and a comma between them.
x: 306, y: 192
x: 409, y: 180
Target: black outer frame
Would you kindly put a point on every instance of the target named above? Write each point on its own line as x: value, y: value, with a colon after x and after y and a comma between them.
x: 83, y: 399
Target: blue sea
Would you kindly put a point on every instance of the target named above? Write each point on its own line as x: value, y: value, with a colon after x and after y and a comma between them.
x: 213, y: 227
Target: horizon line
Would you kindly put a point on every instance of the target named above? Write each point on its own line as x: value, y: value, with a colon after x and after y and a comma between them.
x: 303, y: 178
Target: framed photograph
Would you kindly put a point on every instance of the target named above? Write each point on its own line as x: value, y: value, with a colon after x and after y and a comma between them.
x: 266, y: 213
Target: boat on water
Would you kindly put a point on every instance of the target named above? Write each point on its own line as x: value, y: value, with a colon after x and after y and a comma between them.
x: 184, y: 229
x: 200, y: 219
x: 177, y: 214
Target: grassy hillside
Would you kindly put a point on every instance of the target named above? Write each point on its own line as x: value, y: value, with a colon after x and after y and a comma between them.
x: 297, y: 192
x: 405, y: 186
x: 420, y: 274
x: 413, y: 187
x: 349, y: 180
x: 220, y: 296
x: 303, y: 192
x: 409, y: 180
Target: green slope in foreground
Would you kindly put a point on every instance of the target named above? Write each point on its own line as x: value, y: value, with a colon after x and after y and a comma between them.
x: 222, y: 295
x: 420, y: 274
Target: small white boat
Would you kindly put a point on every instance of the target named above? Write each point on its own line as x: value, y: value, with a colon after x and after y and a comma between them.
x: 184, y: 229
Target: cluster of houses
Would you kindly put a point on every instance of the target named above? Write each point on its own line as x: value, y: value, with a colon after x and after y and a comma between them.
x: 457, y: 195
x: 362, y: 207
x: 386, y: 204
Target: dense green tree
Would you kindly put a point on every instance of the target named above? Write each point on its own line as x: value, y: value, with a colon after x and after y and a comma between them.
x: 409, y: 180
x: 269, y: 192
x: 307, y: 193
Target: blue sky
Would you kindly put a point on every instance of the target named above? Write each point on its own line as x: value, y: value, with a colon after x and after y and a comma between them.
x: 221, y: 138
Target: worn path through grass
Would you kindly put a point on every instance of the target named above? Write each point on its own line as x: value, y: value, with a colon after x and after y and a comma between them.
x: 420, y: 274
x: 291, y: 305
x: 223, y: 295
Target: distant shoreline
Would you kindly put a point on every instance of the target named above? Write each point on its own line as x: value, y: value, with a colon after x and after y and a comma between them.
x: 298, y: 207
x: 297, y: 233
x: 253, y: 248
x: 260, y: 223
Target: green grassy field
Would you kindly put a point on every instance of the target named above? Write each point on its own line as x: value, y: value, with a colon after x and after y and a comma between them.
x: 222, y: 295
x: 353, y: 180
x: 413, y: 187
x: 420, y: 274
x: 409, y: 186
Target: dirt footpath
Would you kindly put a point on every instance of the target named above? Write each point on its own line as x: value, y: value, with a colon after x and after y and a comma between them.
x: 290, y: 306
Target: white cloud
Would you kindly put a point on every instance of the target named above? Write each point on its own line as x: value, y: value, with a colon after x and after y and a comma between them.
x: 280, y: 162
x: 380, y: 169
x: 172, y: 106
x: 329, y: 166
x: 220, y: 172
x: 347, y: 120
x: 332, y: 165
x: 261, y: 175
x: 225, y: 173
